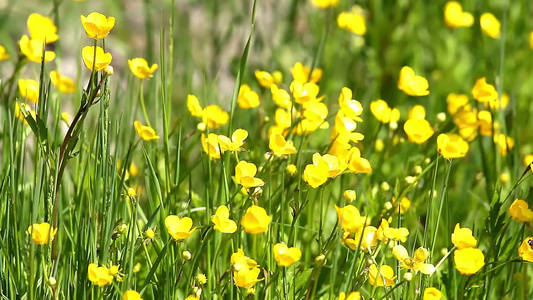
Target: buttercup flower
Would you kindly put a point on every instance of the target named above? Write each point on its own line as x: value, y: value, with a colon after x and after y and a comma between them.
x: 103, y: 59
x: 3, y: 54
x: 194, y: 107
x: 29, y: 89
x: 432, y: 293
x: 222, y: 221
x: 291, y: 169
x: 520, y: 211
x: 350, y: 219
x: 99, y: 276
x: 245, y: 175
x: 349, y: 195
x: 351, y: 296
x: 280, y: 146
x: 490, y: 25
x: 63, y: 83
x: 281, y: 97
x: 33, y: 50
x: 455, y: 17
x: 525, y: 251
x: 368, y: 239
x: 179, y: 228
x: 316, y: 174
x: 528, y: 159
x: 462, y: 237
x: 305, y: 92
x: 236, y: 142
x: 131, y: 295
x: 353, y: 21
x: 411, y: 84
x: 147, y: 133
x: 350, y: 108
x: 42, y: 28
x: 484, y: 92
x: 505, y: 143
x: 266, y: 79
x: 418, y: 130
x: 468, y: 261
x: 210, y: 145
x: 325, y: 3
x: 356, y: 163
x: 255, y: 220
x: 384, y: 276
x: 246, y: 278
x: 96, y: 25
x: 385, y: 232
x: 381, y: 110
x: 300, y: 73
x: 42, y: 233
x: 335, y: 166
x: 451, y: 146
x: 139, y: 67
x: 214, y: 117
x: 403, y: 206
x: 286, y: 256
x: 247, y: 98
x: 456, y: 102
x: 416, y: 262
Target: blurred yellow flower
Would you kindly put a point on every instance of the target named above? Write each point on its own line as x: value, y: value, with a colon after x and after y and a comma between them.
x: 525, y: 251
x: 33, y: 50
x: 383, y: 113
x: 468, y: 261
x: 502, y: 103
x: 385, y: 232
x: 42, y: 28
x: 42, y: 233
x: 281, y: 97
x: 349, y: 195
x: 194, y: 107
x: 63, y: 83
x: 531, y: 40
x: 490, y: 25
x: 201, y: 278
x: 21, y: 109
x: 484, y: 92
x: 432, y: 293
x: 368, y: 240
x: 351, y: 296
x: 247, y: 98
x: 316, y: 174
x: 147, y: 133
x: 210, y: 145
x: 505, y: 143
x: 3, y: 54
x: 455, y: 17
x: 417, y: 112
x: 286, y: 256
x: 214, y: 117
x: 462, y: 238
x: 96, y: 25
x: 356, y: 163
x: 416, y: 262
x: 222, y: 221
x: 131, y: 295
x: 236, y: 142
x: 99, y: 276
x: 350, y: 219
x: 304, y: 93
x: 485, y: 122
x: 404, y: 205
x: 103, y: 59
x: 239, y: 261
x: 520, y: 212
x: 451, y: 146
x: 384, y: 276
x: 245, y: 175
x: 192, y: 297
x: 291, y: 169
x: 255, y: 220
x: 29, y: 89
x: 280, y: 146
x: 418, y: 130
x: 300, y: 73
x: 264, y: 78
x: 179, y: 228
x: 411, y: 84
x: 325, y: 3
x: 139, y: 67
x: 352, y: 21
x: 528, y: 159
x: 456, y: 102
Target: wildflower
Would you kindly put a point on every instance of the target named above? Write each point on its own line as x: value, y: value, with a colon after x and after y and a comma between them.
x: 411, y: 84
x: 244, y: 174
x: 201, y: 279
x: 501, y: 103
x: 114, y: 271
x: 356, y: 163
x: 462, y: 237
x: 403, y: 206
x: 353, y: 21
x: 247, y: 98
x: 210, y: 145
x: 384, y: 276
x: 416, y: 262
x: 280, y: 146
x: 42, y: 28
x: 99, y: 276
x: 96, y: 25
x: 455, y: 17
x: 383, y: 113
x: 350, y: 219
x: 266, y: 79
x: 351, y: 296
x: 237, y: 140
x: 179, y: 228
x: 528, y: 159
x: 418, y: 130
x: 451, y: 146
x: 335, y: 166
x: 3, y: 54
x: 349, y: 195
x: 291, y: 169
x: 505, y: 143
x: 350, y: 108
x: 186, y: 255
x: 385, y: 232
x: 467, y: 122
x: 520, y: 211
x: 304, y: 93
x: 316, y: 174
x: 525, y: 251
x: 281, y: 97
x: 214, y: 117
x: 365, y: 238
x: 194, y: 107
x: 325, y: 3
x: 483, y: 91
x: 468, y: 261
x: 136, y: 268
x: 103, y: 59
x: 42, y: 233
x: 33, y: 50
x: 417, y: 112
x: 192, y: 297
x: 255, y: 220
x: 63, y: 83
x: 131, y: 295
x: 149, y: 233
x: 147, y: 133
x: 300, y: 73
x: 246, y: 278
x: 286, y: 256
x: 456, y: 102
x: 29, y: 89
x: 139, y: 67
x: 222, y: 221
x: 490, y: 25
x: 432, y: 293
x: 485, y: 122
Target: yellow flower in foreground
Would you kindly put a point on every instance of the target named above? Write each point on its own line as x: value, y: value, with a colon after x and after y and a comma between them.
x: 352, y: 21
x: 131, y: 295
x: 29, y: 89
x: 304, y: 93
x: 236, y: 142
x: 351, y: 296
x: 3, y: 54
x: 42, y: 233
x: 381, y: 110
x: 179, y: 228
x: 325, y: 3
x: 286, y: 256
x: 255, y: 220
x: 350, y: 218
x: 280, y: 146
x: 484, y: 92
x: 63, y: 83
x: 247, y: 98
x: 451, y: 146
x: 147, y: 133
x: 316, y: 174
x: 411, y: 84
x: 382, y: 276
x: 210, y: 145
x: 520, y: 211
x: 490, y: 25
x: 418, y: 130
x: 96, y: 25
x: 525, y: 251
x: 245, y: 175
x: 468, y: 261
x: 356, y: 163
x: 139, y: 67
x: 462, y: 237
x: 455, y: 17
x: 432, y: 293
x: 214, y: 117
x: 246, y: 278
x: 42, y: 28
x: 300, y: 73
x: 103, y: 59
x: 416, y: 262
x: 222, y: 221
x: 99, y: 276
x: 33, y: 50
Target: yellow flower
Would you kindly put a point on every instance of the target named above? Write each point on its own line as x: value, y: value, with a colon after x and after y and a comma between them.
x: 385, y: 232
x: 33, y: 50
x: 29, y: 89
x: 528, y: 159
x: 96, y: 25
x: 418, y: 130
x: 381, y: 110
x: 411, y: 84
x: 281, y: 97
x: 501, y: 103
x: 286, y: 256
x: 244, y: 174
x: 382, y: 276
x: 210, y: 145
x: 451, y: 146
x: 316, y: 174
x: 349, y: 195
x: 351, y: 296
x: 350, y: 108
x: 417, y: 112
x: 291, y: 169
x: 131, y: 295
x: 356, y: 163
x: 531, y: 40
x: 304, y: 92
x: 147, y: 133
x: 139, y: 67
x: 505, y: 143
x: 214, y: 117
x: 455, y: 17
x: 201, y: 279
x: 484, y: 92
x: 300, y: 73
x: 42, y: 28
x: 246, y: 278
x: 456, y: 102
x: 194, y: 107
x: 520, y: 211
x: 352, y: 21
x: 264, y: 78
x: 149, y: 233
x: 222, y: 221
x: 42, y: 233
x: 3, y: 54
x: 350, y: 219
x: 404, y: 205
x: 280, y: 146
x: 63, y: 83
x: 490, y: 25
x: 236, y: 142
x: 462, y: 238
x: 247, y: 98
x: 485, y: 122
x: 325, y: 3
x: 192, y: 297
x: 99, y: 276
x: 416, y: 262
x: 239, y: 261
x: 368, y: 240
x: 468, y: 261
x: 432, y: 293
x: 525, y: 251
x: 103, y: 59
x: 179, y: 228
x: 255, y: 220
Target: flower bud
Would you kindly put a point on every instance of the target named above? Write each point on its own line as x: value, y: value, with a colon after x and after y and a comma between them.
x: 291, y: 169
x: 109, y: 70
x: 387, y: 205
x: 349, y: 195
x: 441, y: 117
x: 186, y: 255
x: 52, y: 281
x: 385, y: 186
x: 201, y: 126
x: 320, y: 260
x: 410, y: 179
x: 408, y: 276
x: 418, y: 170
